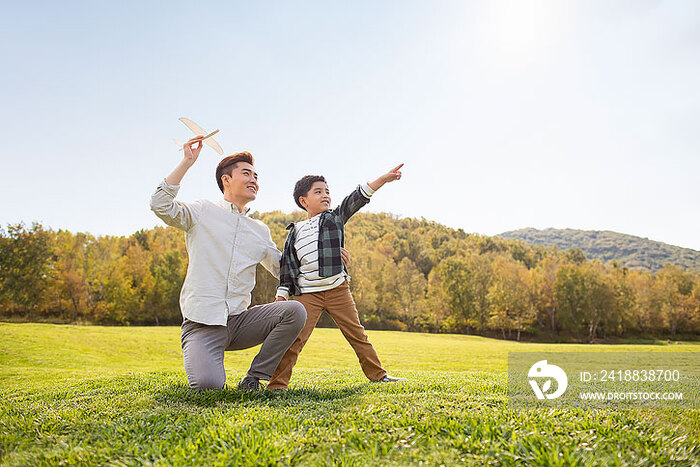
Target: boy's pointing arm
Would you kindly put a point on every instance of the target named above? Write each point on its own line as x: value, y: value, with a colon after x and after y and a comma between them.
x: 360, y: 197
x: 390, y: 176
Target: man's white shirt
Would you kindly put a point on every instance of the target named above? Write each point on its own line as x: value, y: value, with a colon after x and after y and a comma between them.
x: 224, y: 247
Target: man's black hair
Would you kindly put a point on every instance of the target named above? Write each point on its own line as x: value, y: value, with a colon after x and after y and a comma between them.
x: 229, y: 163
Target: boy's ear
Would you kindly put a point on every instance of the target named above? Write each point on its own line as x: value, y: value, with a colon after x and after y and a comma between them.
x: 302, y: 201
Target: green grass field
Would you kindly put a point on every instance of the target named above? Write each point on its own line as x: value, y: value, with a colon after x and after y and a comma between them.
x: 118, y: 396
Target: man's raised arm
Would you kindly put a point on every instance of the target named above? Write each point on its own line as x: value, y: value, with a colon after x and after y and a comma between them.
x: 163, y: 203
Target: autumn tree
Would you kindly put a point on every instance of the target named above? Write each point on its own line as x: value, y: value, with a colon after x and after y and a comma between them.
x: 25, y: 263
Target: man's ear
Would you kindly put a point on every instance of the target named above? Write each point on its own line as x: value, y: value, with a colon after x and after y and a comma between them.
x: 225, y: 180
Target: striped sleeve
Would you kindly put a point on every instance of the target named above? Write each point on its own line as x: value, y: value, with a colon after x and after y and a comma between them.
x: 366, y: 191
x: 282, y: 292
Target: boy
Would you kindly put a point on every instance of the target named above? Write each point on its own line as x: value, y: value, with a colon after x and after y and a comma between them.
x: 311, y: 269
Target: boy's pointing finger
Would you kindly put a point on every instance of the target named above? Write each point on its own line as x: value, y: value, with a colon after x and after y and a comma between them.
x: 396, y: 169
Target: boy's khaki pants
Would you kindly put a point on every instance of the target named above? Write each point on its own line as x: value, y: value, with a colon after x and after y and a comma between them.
x: 341, y: 306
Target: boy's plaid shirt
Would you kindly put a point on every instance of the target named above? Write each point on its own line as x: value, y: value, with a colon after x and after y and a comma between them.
x: 331, y: 236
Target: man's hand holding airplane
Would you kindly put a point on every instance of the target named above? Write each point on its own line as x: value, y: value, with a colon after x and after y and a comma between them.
x: 191, y: 151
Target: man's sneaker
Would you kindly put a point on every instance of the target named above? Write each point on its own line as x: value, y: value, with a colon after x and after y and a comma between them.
x: 391, y: 379
x: 249, y: 383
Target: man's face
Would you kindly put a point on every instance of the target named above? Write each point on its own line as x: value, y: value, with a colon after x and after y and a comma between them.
x: 317, y: 200
x: 242, y: 183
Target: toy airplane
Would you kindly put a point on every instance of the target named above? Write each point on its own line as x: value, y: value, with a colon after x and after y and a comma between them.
x: 199, y: 131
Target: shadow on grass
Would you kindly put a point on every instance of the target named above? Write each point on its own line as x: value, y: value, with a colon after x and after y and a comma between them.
x: 182, y: 394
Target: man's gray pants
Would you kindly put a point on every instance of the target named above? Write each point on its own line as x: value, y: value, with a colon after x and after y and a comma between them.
x: 276, y: 325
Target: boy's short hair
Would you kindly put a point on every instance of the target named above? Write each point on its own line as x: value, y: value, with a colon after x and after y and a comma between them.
x: 228, y: 163
x: 303, y: 186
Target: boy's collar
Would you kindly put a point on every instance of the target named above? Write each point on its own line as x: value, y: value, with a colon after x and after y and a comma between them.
x: 291, y: 224
x: 309, y: 218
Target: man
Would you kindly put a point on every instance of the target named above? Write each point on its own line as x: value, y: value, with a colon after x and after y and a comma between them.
x: 224, y: 247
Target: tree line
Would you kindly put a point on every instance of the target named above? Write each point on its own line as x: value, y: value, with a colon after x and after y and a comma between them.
x: 407, y: 274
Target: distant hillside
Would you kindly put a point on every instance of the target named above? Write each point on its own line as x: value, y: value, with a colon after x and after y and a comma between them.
x: 631, y: 251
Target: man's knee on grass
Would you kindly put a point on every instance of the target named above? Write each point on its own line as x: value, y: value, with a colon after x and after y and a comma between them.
x: 296, y: 314
x: 205, y: 382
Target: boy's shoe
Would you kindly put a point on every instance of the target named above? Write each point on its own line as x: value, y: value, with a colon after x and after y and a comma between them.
x: 249, y: 383
x: 391, y: 379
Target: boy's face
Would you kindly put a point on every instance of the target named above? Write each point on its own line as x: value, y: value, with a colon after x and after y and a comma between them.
x: 317, y: 200
x: 242, y: 184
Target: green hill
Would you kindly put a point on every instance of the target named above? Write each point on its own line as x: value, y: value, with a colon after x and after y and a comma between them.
x: 631, y: 251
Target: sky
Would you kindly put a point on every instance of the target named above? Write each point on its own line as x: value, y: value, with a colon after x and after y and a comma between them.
x: 507, y: 114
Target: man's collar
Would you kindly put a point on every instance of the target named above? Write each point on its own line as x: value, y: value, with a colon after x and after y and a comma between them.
x: 233, y: 208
